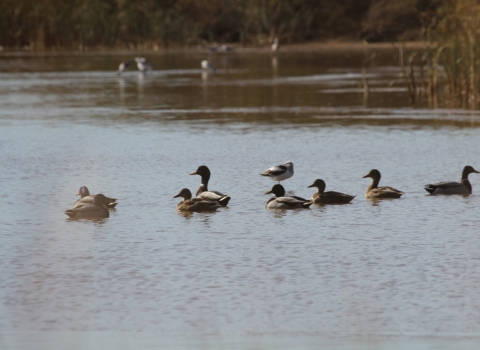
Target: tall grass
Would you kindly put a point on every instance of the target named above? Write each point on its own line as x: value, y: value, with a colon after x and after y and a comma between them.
x: 47, y: 24
x: 455, y: 37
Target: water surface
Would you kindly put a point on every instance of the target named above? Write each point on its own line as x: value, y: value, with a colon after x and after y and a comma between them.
x: 396, y: 274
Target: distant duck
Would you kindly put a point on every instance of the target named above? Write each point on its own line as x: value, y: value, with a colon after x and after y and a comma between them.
x: 203, y: 191
x: 279, y: 172
x: 143, y: 65
x: 87, y: 199
x: 330, y: 197
x: 207, y: 65
x: 451, y: 187
x: 282, y: 202
x: 194, y: 204
x: 373, y: 191
x: 226, y: 48
x: 123, y: 67
x: 276, y: 44
x: 96, y: 209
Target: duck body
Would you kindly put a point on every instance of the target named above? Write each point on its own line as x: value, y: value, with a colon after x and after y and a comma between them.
x: 276, y: 44
x: 95, y: 210
x: 330, y: 197
x: 374, y: 191
x: 464, y: 187
x: 279, y: 172
x: 207, y: 65
x: 280, y: 201
x: 87, y: 199
x: 123, y: 67
x: 203, y: 191
x: 143, y: 65
x: 194, y: 204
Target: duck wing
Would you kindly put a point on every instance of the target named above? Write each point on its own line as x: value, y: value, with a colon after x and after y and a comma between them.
x: 88, y: 200
x: 214, y: 196
x: 446, y: 187
x: 294, y: 202
x: 88, y: 211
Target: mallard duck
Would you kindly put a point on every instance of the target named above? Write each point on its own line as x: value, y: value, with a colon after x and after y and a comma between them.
x: 203, y: 191
x: 330, y: 197
x: 194, y: 204
x: 373, y: 191
x: 451, y: 187
x: 95, y: 210
x: 279, y: 172
x: 143, y: 65
x: 123, y: 67
x: 282, y: 202
x: 87, y: 199
x: 207, y: 65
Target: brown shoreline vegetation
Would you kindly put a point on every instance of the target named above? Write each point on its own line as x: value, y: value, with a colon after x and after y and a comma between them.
x: 444, y: 33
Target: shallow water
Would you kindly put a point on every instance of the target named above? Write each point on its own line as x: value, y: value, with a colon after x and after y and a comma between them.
x: 391, y: 274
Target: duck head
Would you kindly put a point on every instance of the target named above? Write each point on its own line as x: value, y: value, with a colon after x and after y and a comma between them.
x: 468, y: 170
x: 277, y: 190
x: 184, y: 193
x: 374, y: 174
x: 319, y: 184
x: 204, y: 172
x: 99, y: 200
x: 83, y: 191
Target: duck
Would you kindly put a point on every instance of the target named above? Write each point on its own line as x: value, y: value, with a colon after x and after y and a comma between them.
x: 207, y: 65
x: 203, y: 191
x: 87, y: 199
x: 279, y: 172
x: 276, y: 44
x: 194, y: 204
x: 123, y: 67
x: 452, y: 187
x: 95, y: 210
x: 143, y: 65
x: 373, y: 191
x: 280, y: 201
x: 330, y: 197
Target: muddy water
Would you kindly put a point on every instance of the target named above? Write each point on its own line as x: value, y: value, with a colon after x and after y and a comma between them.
x: 396, y: 274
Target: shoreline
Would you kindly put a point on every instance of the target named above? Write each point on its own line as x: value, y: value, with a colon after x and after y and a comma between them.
x: 304, y: 47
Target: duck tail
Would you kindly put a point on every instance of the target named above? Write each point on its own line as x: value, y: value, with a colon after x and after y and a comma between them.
x: 70, y: 213
x: 306, y: 204
x: 224, y: 201
x: 111, y: 205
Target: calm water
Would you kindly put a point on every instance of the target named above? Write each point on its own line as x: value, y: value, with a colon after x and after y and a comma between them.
x: 396, y: 274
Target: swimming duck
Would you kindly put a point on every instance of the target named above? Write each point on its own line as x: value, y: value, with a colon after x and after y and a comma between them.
x: 143, y: 65
x: 123, y: 67
x: 87, y: 199
x: 203, y: 191
x: 194, y: 204
x: 282, y: 202
x: 373, y: 191
x: 207, y: 65
x: 451, y: 187
x: 330, y: 197
x: 276, y: 44
x: 279, y: 172
x: 95, y: 210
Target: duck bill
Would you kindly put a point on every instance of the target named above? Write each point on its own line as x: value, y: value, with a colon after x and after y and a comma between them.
x: 78, y: 194
x: 312, y: 185
x: 368, y: 175
x: 194, y: 173
x: 478, y: 172
x: 268, y: 192
x: 176, y: 196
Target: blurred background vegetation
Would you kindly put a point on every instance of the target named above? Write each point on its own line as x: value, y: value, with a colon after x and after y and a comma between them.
x: 145, y: 24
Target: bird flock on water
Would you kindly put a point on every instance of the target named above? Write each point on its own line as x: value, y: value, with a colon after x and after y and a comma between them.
x: 206, y: 200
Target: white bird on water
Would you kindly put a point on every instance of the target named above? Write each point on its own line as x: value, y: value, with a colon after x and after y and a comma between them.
x: 143, y: 65
x: 279, y: 172
x: 207, y: 65
x: 276, y: 44
x: 123, y: 67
